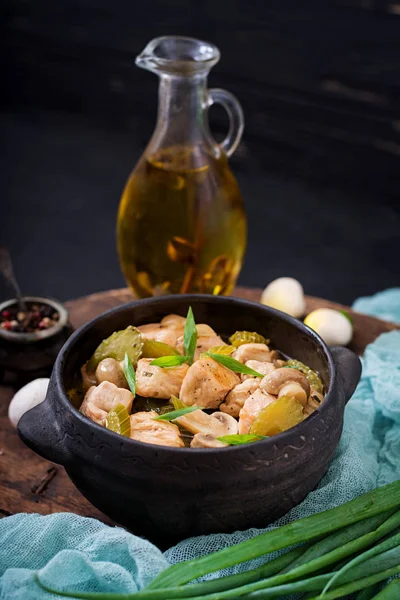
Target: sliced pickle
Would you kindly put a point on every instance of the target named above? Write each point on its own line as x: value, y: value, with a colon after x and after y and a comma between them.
x: 118, y: 420
x: 225, y: 350
x: 247, y: 337
x: 313, y: 378
x: 282, y: 414
x: 153, y: 349
x: 127, y: 341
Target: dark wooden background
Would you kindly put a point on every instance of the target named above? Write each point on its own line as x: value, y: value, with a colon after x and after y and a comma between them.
x: 320, y: 86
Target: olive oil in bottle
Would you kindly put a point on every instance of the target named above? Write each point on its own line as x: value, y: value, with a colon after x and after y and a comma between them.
x: 181, y: 222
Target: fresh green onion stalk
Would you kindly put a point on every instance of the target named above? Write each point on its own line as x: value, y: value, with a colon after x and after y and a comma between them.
x: 348, y: 549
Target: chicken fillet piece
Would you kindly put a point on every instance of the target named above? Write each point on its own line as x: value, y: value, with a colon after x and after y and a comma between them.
x: 207, y: 383
x: 259, y: 352
x: 264, y: 368
x: 145, y: 429
x: 156, y: 382
x: 99, y: 400
x: 236, y: 398
x: 251, y: 409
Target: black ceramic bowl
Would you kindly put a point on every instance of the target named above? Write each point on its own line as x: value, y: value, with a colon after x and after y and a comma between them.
x: 167, y: 494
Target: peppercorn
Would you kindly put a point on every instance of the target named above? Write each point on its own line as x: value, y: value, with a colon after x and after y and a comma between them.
x: 35, y: 318
x: 45, y: 323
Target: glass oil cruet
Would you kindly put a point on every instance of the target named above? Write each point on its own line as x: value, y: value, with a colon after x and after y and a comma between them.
x: 181, y: 222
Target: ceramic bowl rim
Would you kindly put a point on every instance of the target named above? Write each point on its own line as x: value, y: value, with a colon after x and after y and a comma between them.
x: 282, y: 437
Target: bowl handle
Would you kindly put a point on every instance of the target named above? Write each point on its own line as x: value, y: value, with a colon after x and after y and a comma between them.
x: 349, y: 369
x: 40, y: 431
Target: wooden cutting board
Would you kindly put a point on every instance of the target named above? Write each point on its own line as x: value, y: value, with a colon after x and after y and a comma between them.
x: 29, y: 483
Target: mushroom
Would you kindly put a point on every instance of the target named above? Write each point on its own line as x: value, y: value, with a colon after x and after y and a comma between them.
x: 204, y: 440
x: 216, y: 424
x: 110, y: 370
x: 294, y: 389
x: 88, y: 379
x: 279, y: 378
x: 229, y: 424
x: 315, y: 399
x: 278, y: 363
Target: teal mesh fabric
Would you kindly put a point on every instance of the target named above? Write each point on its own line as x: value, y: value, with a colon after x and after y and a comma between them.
x: 75, y: 553
x: 384, y: 305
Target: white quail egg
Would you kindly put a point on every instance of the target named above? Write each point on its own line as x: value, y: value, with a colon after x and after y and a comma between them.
x: 285, y: 294
x: 335, y: 327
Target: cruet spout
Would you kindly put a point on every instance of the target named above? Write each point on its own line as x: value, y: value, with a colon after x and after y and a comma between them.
x: 180, y: 55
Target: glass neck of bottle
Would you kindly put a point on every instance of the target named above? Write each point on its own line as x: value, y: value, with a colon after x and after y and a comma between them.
x: 182, y: 103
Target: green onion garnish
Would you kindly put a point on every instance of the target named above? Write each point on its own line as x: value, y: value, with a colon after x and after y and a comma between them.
x: 190, y: 336
x: 238, y: 439
x: 130, y: 374
x: 175, y: 414
x: 189, y: 342
x: 233, y: 365
x: 168, y: 361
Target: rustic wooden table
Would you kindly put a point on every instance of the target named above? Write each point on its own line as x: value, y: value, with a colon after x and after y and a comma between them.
x: 29, y: 483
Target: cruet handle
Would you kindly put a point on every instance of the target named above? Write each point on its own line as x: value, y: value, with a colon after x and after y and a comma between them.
x: 236, y: 118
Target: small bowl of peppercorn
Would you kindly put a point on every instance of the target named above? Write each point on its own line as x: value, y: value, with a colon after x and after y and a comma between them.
x: 30, y: 339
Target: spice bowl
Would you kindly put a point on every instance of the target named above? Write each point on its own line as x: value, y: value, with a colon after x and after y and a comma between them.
x: 29, y: 346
